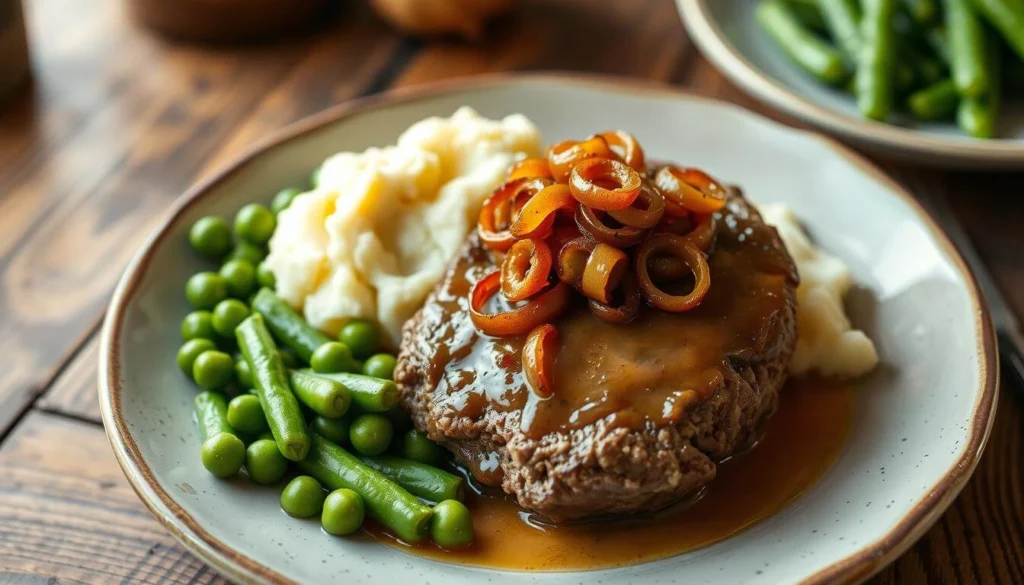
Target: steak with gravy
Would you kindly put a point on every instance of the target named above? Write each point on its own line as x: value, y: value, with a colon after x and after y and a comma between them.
x: 641, y: 413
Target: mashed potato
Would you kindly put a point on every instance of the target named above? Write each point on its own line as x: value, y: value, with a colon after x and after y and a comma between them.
x: 826, y: 342
x: 375, y: 235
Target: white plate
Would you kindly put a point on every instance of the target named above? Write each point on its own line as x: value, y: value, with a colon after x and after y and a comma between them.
x: 921, y: 419
x: 727, y: 34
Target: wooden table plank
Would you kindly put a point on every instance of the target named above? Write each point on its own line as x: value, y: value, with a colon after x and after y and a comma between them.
x: 68, y: 515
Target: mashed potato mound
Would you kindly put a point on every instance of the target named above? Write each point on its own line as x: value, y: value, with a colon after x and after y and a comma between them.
x: 374, y: 237
x: 826, y: 342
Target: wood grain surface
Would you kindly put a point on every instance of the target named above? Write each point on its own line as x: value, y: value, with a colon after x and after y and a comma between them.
x: 118, y: 123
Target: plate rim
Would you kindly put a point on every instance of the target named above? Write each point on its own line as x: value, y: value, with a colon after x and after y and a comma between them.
x: 706, y: 32
x: 855, y: 567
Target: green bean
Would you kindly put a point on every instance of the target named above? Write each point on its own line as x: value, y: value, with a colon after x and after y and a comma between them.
x: 287, y: 325
x: 842, y: 17
x: 222, y: 452
x: 806, y: 11
x: 271, y: 380
x: 978, y: 116
x: 806, y: 49
x: 935, y: 102
x: 924, y: 12
x: 967, y: 49
x: 385, y: 501
x: 369, y: 394
x: 875, y: 62
x: 327, y: 398
x: 420, y: 479
x: 1006, y: 16
x: 938, y: 41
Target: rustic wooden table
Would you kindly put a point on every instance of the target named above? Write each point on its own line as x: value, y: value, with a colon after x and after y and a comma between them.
x: 119, y: 123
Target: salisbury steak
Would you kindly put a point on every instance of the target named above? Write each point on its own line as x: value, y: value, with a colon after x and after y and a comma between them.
x: 640, y: 412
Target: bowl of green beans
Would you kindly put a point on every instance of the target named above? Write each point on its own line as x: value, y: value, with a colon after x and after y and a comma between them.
x: 937, y: 82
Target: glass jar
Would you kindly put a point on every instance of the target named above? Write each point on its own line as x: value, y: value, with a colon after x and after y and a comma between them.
x: 13, y: 46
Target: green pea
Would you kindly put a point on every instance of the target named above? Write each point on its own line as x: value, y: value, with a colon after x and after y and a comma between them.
x: 255, y: 223
x: 249, y: 252
x: 227, y: 315
x: 283, y: 199
x: 451, y: 525
x: 197, y: 325
x: 213, y: 369
x: 240, y: 276
x: 362, y: 337
x: 245, y: 414
x: 416, y: 446
x: 205, y: 289
x: 192, y: 349
x: 242, y: 372
x: 370, y: 434
x: 381, y: 365
x: 264, y: 462
x: 343, y: 512
x: 332, y: 429
x: 223, y: 454
x: 303, y: 497
x: 265, y: 276
x: 331, y: 357
x: 211, y: 237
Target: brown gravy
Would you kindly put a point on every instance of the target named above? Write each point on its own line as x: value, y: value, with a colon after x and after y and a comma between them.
x: 799, y: 444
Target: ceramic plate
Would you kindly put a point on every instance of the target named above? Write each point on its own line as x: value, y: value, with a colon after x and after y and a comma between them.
x: 921, y: 419
x: 729, y: 37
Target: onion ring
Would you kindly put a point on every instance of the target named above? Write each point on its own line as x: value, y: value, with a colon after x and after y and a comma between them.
x: 605, y: 184
x: 632, y: 153
x: 627, y: 311
x: 676, y: 246
x: 562, y: 157
x: 525, y: 269
x: 499, y: 211
x: 603, y: 272
x: 520, y: 320
x: 645, y: 212
x: 539, y: 359
x: 530, y: 168
x: 538, y: 213
x: 690, y: 189
x: 623, y: 237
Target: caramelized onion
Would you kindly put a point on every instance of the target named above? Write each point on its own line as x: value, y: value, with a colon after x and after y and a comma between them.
x: 538, y: 213
x: 500, y: 209
x: 690, y: 189
x: 564, y: 156
x: 703, y: 234
x: 605, y: 184
x: 519, y: 320
x: 525, y: 269
x: 539, y: 359
x: 603, y: 271
x: 645, y: 212
x: 624, y: 312
x: 572, y: 260
x: 632, y: 154
x: 676, y: 246
x: 530, y: 168
x: 622, y: 237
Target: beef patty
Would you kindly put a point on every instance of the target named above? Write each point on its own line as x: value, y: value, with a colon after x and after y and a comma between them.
x: 641, y: 412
